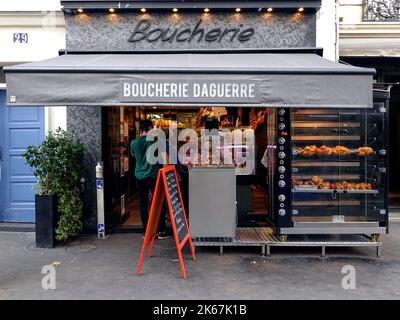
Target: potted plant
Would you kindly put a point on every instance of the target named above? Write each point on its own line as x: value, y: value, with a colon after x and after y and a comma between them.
x: 58, y: 207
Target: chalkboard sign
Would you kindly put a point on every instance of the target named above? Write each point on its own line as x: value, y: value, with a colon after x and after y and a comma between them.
x: 167, y: 187
x: 176, y: 205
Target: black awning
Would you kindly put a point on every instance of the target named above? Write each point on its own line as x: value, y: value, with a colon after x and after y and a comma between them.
x: 195, y: 79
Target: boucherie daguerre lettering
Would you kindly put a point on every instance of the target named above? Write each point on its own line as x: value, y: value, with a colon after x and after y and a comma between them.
x: 144, y: 31
x: 190, y: 91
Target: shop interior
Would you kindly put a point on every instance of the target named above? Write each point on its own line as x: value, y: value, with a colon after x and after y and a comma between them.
x: 253, y: 191
x: 336, y: 166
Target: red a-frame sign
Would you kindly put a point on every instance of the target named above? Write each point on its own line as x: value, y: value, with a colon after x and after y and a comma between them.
x: 167, y: 185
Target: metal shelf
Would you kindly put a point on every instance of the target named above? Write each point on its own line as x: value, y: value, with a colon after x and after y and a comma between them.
x: 325, y: 138
x: 343, y: 177
x: 313, y: 163
x: 352, y: 152
x: 310, y: 190
x: 333, y: 202
x: 324, y: 124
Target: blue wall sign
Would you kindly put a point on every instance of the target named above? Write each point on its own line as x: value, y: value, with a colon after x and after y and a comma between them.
x: 20, y: 37
x: 99, y: 183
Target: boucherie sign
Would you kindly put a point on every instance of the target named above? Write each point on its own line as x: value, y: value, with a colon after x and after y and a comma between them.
x: 190, y: 91
x: 144, y: 31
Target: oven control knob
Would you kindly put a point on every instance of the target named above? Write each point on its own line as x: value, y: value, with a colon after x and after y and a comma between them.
x: 281, y: 140
x: 281, y: 169
x: 281, y: 183
x: 281, y: 197
x: 281, y: 112
x: 281, y: 126
x: 282, y: 212
x: 281, y: 155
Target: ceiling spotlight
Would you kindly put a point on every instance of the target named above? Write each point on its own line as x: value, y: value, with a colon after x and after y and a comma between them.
x: 238, y: 9
x: 111, y: 10
x: 301, y: 9
x: 143, y: 10
x: 206, y: 10
x: 80, y: 10
x: 175, y: 9
x: 270, y: 9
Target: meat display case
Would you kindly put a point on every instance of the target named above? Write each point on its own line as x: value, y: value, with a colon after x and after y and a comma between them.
x: 331, y: 172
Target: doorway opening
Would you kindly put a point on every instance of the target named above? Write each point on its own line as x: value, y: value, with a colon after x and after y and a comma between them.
x: 254, y: 190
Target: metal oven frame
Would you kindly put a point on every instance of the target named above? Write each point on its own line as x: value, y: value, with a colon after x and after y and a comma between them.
x: 282, y: 184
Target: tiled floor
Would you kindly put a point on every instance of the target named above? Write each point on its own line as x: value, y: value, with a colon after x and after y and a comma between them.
x: 259, y: 199
x: 133, y: 209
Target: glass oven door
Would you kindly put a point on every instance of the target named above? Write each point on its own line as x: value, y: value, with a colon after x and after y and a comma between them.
x: 315, y: 164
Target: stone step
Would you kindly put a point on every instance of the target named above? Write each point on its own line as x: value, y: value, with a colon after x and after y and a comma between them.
x: 17, y: 227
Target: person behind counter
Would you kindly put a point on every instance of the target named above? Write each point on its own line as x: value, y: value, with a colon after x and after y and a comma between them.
x: 146, y: 176
x: 182, y: 168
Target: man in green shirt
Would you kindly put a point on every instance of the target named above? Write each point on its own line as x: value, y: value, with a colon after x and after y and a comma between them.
x: 146, y: 175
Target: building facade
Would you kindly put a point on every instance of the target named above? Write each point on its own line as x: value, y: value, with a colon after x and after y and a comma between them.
x: 248, y: 66
x: 369, y: 36
x: 29, y: 31
x: 32, y: 31
x: 82, y: 33
x: 254, y: 66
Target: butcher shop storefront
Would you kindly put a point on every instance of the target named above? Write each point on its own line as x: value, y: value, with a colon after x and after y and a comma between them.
x: 246, y: 74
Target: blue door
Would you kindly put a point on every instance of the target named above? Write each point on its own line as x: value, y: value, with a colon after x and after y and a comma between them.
x: 19, y: 128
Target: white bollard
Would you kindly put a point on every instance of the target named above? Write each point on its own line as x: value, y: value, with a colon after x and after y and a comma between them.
x: 101, y: 229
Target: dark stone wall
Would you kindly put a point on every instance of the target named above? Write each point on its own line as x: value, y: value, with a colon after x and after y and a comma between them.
x: 86, y: 122
x: 101, y: 31
x: 112, y: 31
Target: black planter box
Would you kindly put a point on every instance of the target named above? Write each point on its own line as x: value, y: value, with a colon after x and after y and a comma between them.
x: 46, y: 220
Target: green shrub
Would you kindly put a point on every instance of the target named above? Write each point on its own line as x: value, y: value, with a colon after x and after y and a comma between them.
x: 56, y: 163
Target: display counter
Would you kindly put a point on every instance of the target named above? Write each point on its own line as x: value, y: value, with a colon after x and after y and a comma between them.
x: 212, y: 202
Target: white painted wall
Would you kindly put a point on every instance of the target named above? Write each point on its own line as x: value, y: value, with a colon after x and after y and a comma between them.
x: 30, y: 5
x: 327, y: 29
x: 43, y: 21
x: 350, y: 11
x: 359, y: 38
x: 46, y: 35
x: 55, y: 117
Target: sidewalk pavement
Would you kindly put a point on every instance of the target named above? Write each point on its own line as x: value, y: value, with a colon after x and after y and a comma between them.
x: 90, y: 268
